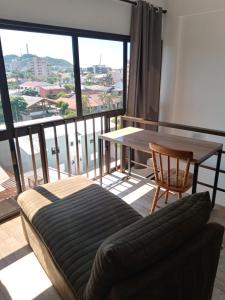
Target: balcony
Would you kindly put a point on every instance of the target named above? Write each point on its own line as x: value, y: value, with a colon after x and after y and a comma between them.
x: 56, y: 149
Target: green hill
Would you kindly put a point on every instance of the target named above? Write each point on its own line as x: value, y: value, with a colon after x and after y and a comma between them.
x: 22, y: 63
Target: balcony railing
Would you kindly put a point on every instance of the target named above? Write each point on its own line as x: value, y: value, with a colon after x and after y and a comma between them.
x: 54, y: 150
x: 198, y: 132
x: 58, y: 149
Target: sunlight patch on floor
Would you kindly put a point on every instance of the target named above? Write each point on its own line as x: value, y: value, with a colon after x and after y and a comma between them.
x: 137, y: 194
x: 134, y: 181
x: 25, y: 279
x: 127, y: 184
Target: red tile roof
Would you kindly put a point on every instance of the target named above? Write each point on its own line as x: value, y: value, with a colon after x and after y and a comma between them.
x: 53, y: 87
x: 33, y: 84
x: 70, y: 101
x: 94, y: 101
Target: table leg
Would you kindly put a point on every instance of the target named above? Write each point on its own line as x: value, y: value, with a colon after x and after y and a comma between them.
x: 216, y: 177
x: 100, y: 146
x: 129, y: 160
x: 195, y: 178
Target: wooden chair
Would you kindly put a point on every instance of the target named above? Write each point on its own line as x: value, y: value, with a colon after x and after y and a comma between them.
x: 170, y: 178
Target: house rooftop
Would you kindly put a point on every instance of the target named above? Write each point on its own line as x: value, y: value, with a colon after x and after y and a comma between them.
x: 52, y: 87
x: 34, y: 84
x: 35, y: 100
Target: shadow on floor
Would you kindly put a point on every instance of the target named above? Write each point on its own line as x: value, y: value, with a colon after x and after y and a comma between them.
x: 4, y: 294
x: 48, y: 294
x: 137, y: 191
x: 13, y: 257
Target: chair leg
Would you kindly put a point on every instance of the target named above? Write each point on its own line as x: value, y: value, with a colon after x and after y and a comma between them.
x: 179, y: 195
x: 167, y: 195
x: 156, y: 196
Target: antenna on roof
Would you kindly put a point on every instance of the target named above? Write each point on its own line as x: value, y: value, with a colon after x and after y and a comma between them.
x: 27, y: 48
x: 100, y: 62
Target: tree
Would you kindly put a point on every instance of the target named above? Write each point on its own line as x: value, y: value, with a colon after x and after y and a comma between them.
x: 52, y: 79
x: 12, y: 85
x: 60, y: 95
x: 17, y: 75
x: 30, y: 92
x: 63, y: 106
x: 70, y: 114
x: 29, y: 75
x: 69, y: 87
x: 53, y: 97
x: 108, y: 80
x: 89, y: 80
x: 85, y: 103
x: 18, y: 105
x: 106, y: 99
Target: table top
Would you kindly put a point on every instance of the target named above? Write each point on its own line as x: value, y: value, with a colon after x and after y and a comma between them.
x: 139, y: 139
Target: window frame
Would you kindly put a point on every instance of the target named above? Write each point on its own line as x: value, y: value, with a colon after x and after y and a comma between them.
x: 74, y: 34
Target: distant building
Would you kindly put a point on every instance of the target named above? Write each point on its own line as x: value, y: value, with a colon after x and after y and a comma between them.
x: 117, y: 75
x: 38, y: 107
x: 98, y: 69
x: 51, y: 90
x: 95, y: 103
x: 33, y: 85
x: 118, y: 87
x: 95, y: 88
x: 40, y: 68
x: 14, y: 66
x: 26, y: 154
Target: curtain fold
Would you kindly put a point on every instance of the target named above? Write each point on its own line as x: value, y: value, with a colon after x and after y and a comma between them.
x: 145, y: 64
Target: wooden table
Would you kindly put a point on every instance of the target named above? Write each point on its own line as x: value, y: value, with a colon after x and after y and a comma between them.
x: 139, y: 139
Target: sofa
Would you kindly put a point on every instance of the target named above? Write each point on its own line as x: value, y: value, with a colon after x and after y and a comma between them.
x: 94, y: 246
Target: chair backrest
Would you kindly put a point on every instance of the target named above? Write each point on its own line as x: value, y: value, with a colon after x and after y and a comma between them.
x: 163, y: 159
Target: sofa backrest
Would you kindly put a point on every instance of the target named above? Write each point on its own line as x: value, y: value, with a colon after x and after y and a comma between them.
x: 138, y: 247
x: 188, y: 273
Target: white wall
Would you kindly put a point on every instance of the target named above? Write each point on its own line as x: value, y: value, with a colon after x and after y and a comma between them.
x: 200, y: 88
x: 184, y: 7
x: 208, y: 18
x: 193, y: 78
x: 100, y: 15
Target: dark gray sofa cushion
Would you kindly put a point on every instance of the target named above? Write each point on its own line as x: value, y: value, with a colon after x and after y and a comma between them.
x: 73, y: 228
x: 145, y: 242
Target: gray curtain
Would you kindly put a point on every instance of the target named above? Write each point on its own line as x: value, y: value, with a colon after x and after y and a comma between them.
x: 145, y: 64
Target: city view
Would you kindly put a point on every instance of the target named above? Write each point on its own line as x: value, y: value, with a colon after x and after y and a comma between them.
x: 41, y: 83
x: 42, y: 87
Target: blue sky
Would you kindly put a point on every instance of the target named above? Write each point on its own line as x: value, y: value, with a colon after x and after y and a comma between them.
x: 57, y: 46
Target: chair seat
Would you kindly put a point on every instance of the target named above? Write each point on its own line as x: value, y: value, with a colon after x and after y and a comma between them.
x: 173, y: 179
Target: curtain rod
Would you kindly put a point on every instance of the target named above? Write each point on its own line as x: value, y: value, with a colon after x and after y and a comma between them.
x: 135, y: 3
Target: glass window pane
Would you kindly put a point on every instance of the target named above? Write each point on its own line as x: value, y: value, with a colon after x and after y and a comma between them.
x: 8, y: 190
x: 40, y: 75
x: 128, y: 64
x: 2, y: 121
x: 101, y: 63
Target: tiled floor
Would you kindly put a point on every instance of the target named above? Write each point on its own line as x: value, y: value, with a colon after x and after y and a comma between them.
x: 21, y: 276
